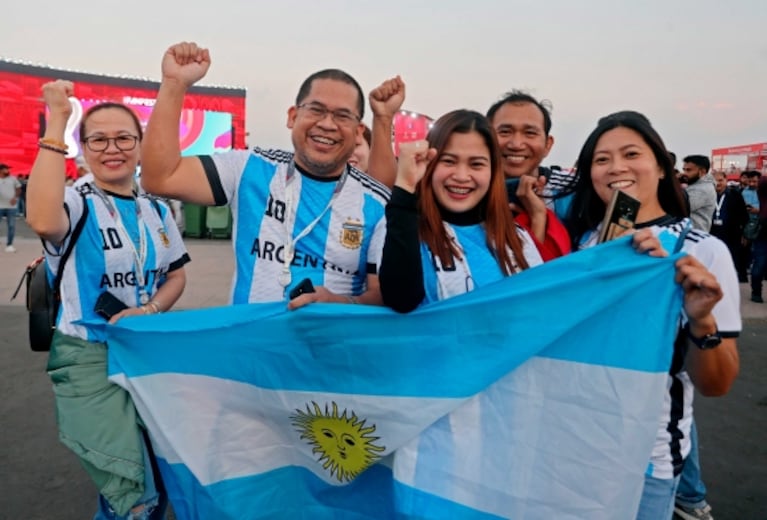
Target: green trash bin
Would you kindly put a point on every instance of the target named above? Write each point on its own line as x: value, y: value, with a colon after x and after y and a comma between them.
x: 219, y: 222
x: 194, y: 219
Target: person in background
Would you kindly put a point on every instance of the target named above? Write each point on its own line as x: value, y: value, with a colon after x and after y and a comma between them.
x: 522, y: 127
x: 10, y: 191
x: 297, y: 215
x: 699, y: 186
x: 449, y: 228
x: 129, y: 249
x: 751, y: 199
x: 625, y: 152
x: 759, y: 251
x: 743, y: 182
x: 360, y: 158
x: 21, y: 204
x: 729, y: 218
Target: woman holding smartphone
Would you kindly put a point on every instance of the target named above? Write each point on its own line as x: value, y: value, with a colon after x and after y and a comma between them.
x: 625, y: 153
x: 127, y: 253
x: 449, y: 228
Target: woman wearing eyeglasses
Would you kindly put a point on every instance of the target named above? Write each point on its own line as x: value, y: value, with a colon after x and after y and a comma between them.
x: 125, y: 245
x: 449, y: 228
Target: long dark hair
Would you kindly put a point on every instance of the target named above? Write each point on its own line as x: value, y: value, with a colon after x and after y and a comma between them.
x: 500, y: 229
x: 587, y: 209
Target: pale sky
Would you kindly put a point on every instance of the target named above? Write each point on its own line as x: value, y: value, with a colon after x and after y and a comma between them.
x: 696, y: 68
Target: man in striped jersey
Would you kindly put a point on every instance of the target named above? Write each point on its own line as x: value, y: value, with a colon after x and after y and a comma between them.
x: 297, y: 215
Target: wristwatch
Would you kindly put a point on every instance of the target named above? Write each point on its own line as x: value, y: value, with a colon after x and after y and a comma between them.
x: 706, y: 342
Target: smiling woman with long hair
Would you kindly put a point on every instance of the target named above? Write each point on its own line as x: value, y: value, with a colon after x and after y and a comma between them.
x: 449, y: 227
x: 625, y: 153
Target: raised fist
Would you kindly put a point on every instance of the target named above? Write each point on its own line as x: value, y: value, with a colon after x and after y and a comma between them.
x: 186, y: 63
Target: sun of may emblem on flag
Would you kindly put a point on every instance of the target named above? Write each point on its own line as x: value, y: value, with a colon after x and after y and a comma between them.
x: 351, y: 233
x: 344, y: 443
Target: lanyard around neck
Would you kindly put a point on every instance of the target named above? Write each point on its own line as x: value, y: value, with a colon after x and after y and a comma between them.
x: 719, y: 204
x: 291, y: 206
x: 140, y: 254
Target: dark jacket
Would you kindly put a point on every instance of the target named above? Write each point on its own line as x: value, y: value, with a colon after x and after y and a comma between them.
x: 732, y: 214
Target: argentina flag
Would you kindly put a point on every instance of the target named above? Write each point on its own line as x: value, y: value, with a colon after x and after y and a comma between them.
x: 538, y: 397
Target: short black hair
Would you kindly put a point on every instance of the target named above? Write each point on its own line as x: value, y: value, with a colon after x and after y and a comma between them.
x: 701, y: 161
x: 754, y: 173
x: 108, y: 105
x: 516, y: 97
x: 336, y: 75
x: 4, y: 166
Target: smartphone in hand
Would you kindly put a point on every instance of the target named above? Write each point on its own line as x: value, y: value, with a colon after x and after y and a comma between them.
x: 108, y: 305
x: 620, y: 216
x: 303, y: 287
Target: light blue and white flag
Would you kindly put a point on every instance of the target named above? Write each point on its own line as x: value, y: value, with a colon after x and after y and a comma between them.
x: 535, y: 398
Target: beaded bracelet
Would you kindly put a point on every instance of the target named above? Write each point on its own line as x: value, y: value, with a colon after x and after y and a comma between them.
x: 155, y: 306
x: 46, y: 146
x: 54, y: 142
x: 352, y: 299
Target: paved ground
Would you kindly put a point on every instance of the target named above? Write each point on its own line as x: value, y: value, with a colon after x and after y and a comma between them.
x: 40, y: 480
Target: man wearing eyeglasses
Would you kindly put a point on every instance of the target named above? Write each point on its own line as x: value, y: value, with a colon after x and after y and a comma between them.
x: 297, y: 215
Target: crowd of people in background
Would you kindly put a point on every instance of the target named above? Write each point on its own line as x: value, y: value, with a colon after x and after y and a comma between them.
x: 469, y: 205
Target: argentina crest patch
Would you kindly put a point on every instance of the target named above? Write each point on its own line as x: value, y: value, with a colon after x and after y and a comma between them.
x: 351, y: 233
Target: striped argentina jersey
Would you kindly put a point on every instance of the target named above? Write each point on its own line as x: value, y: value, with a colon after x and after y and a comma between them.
x: 672, y: 444
x: 479, y: 266
x: 338, y: 253
x: 101, y: 261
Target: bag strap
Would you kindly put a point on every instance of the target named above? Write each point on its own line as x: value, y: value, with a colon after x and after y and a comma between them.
x: 60, y: 272
x: 31, y: 267
x: 65, y: 256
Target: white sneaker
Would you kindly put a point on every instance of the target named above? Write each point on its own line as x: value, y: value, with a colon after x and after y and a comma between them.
x: 10, y: 249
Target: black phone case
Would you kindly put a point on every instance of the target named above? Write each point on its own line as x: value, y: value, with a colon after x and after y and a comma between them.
x: 620, y: 216
x: 304, y: 286
x: 108, y: 305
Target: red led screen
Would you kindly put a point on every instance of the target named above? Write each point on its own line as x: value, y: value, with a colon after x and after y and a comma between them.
x: 22, y: 112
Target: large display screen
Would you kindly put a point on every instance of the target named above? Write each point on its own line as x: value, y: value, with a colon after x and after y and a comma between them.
x: 201, y: 132
x: 213, y: 120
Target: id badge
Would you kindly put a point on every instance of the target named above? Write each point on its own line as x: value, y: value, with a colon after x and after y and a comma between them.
x: 718, y: 222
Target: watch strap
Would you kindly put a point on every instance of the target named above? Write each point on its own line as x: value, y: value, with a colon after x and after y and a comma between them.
x: 706, y: 342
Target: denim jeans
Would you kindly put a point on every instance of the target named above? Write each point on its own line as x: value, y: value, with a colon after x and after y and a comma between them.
x: 154, y: 499
x: 759, y: 267
x: 657, y: 498
x: 10, y: 214
x: 692, y: 491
